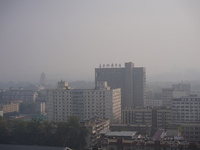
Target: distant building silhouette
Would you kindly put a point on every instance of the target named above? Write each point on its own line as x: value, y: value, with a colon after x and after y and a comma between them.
x: 182, y: 87
x: 43, y: 80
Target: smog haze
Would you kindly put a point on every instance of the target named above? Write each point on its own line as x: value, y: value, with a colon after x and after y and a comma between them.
x: 68, y: 39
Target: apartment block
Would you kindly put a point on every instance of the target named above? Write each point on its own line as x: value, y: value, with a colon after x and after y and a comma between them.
x: 139, y: 116
x: 155, y: 117
x: 101, y: 102
x: 191, y: 131
x: 164, y: 118
x: 186, y: 109
x: 94, y: 126
x: 24, y: 95
x: 9, y: 108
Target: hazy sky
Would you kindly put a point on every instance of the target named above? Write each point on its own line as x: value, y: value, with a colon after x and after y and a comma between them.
x: 67, y: 39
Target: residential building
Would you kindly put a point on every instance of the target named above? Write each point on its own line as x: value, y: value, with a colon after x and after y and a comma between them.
x: 191, y: 131
x: 24, y: 95
x: 131, y: 80
x: 138, y: 116
x: 163, y: 117
x: 155, y: 117
x: 101, y: 102
x: 9, y: 108
x: 94, y: 126
x: 186, y: 110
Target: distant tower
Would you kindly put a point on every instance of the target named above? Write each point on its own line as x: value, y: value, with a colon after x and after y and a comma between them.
x: 43, y: 80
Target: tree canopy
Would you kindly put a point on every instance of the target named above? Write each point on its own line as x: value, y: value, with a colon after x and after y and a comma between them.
x: 39, y: 132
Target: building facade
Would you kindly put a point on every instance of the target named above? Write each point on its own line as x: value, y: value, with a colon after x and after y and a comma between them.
x: 155, y: 117
x: 24, y: 95
x: 137, y: 116
x: 9, y: 108
x: 163, y: 118
x: 101, y: 102
x: 186, y: 109
x: 191, y: 131
x: 94, y: 126
x: 131, y: 80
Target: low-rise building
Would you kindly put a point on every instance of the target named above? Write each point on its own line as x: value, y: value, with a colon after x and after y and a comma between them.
x: 141, y: 129
x: 190, y: 131
x: 163, y: 117
x: 24, y: 95
x: 94, y: 126
x: 166, y: 140
x: 9, y: 108
x: 138, y: 116
x: 159, y: 117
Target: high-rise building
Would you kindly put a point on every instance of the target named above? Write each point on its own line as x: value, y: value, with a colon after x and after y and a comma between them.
x: 101, y: 102
x: 131, y: 80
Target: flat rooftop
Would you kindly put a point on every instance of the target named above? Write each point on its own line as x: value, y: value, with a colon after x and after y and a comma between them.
x: 122, y: 133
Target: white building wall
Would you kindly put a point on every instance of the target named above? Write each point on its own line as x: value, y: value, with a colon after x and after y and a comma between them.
x: 85, y: 104
x: 186, y: 109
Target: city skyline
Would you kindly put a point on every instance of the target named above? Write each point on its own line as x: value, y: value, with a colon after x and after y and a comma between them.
x: 68, y: 39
